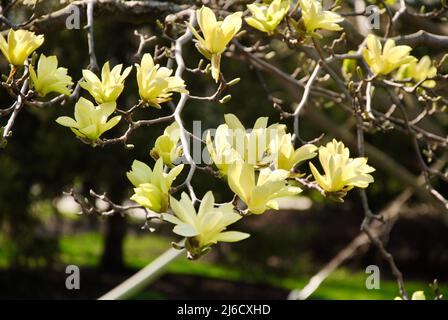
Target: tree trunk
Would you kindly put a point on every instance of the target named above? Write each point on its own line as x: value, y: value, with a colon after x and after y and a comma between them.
x: 112, y: 258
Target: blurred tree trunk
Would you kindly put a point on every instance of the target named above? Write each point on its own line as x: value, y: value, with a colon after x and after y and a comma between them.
x: 112, y: 258
x: 114, y: 234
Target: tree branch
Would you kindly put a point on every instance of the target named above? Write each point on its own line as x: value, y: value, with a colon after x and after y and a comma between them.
x: 128, y: 11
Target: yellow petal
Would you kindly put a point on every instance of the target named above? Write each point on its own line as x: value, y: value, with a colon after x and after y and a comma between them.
x: 216, y: 62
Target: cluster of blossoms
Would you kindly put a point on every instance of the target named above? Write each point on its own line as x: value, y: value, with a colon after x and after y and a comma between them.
x: 48, y: 77
x: 265, y: 17
x: 260, y: 165
x: 156, y: 85
x: 385, y: 60
x: 269, y: 152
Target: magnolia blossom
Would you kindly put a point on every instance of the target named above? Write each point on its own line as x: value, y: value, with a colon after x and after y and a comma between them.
x: 385, y: 60
x: 50, y: 78
x: 152, y: 186
x: 90, y: 121
x: 155, y: 84
x: 20, y: 45
x: 215, y: 35
x: 221, y: 150
x: 418, y: 71
x: 167, y: 145
x: 109, y: 87
x: 286, y: 157
x: 341, y: 173
x: 267, y: 17
x: 259, y: 195
x: 207, y: 226
x: 314, y: 17
x: 234, y: 143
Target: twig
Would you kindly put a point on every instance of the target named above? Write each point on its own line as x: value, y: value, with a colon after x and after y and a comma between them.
x: 303, y: 101
x: 181, y: 104
x: 390, y: 213
x: 90, y: 39
x: 369, y: 216
x: 144, y: 40
x: 18, y: 106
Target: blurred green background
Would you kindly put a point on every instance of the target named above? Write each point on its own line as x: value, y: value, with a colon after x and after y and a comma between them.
x: 39, y: 237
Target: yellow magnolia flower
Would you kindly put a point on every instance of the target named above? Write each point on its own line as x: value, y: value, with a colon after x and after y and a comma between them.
x: 156, y: 85
x: 253, y: 145
x: 267, y: 17
x: 286, y: 157
x: 262, y: 194
x: 111, y: 85
x: 152, y: 186
x: 50, y: 78
x: 385, y: 60
x: 418, y: 71
x: 166, y: 146
x: 220, y: 149
x: 233, y: 143
x: 417, y: 295
x: 90, y: 121
x: 20, y: 45
x: 342, y: 173
x: 216, y: 35
x: 314, y: 17
x: 207, y: 226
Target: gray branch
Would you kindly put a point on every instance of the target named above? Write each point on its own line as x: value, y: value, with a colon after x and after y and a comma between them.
x: 130, y: 11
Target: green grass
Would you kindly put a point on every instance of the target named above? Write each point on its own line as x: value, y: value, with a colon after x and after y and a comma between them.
x: 139, y: 251
x: 85, y: 250
x: 340, y: 285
